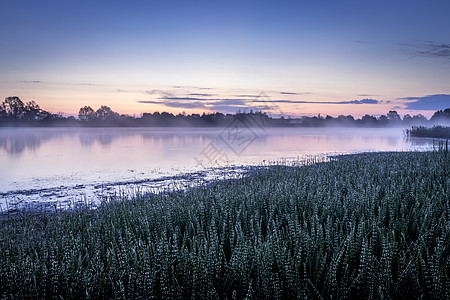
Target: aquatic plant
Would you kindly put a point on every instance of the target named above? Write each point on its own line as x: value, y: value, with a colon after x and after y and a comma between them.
x: 433, y: 132
x: 365, y: 226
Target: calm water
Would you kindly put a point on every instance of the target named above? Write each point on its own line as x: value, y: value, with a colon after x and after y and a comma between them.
x: 63, y: 165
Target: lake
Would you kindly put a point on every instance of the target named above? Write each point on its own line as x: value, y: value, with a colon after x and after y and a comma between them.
x: 65, y: 166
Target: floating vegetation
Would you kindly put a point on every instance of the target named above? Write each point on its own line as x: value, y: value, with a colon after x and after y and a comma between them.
x: 440, y: 132
x: 361, y: 226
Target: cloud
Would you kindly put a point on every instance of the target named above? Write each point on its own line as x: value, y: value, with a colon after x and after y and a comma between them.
x: 201, y: 95
x: 367, y: 95
x: 195, y: 104
x: 158, y: 92
x: 231, y: 105
x: 292, y: 93
x: 191, y: 87
x: 363, y: 101
x: 430, y: 49
x: 239, y: 102
x: 246, y: 96
x: 182, y: 98
x: 61, y: 83
x: 150, y: 102
x: 429, y: 102
x: 224, y: 105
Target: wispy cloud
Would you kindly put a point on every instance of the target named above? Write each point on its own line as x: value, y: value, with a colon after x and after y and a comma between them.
x: 429, y: 102
x: 429, y: 49
x: 362, y: 101
x: 246, y: 96
x: 61, y: 83
x: 227, y: 105
x: 182, y: 98
x: 177, y: 104
x: 195, y: 104
x: 150, y: 102
x: 201, y: 95
x: 231, y: 105
x: 367, y: 95
x: 293, y: 93
x: 191, y: 87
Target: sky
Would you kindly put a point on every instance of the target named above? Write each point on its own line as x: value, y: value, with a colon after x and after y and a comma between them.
x: 301, y: 57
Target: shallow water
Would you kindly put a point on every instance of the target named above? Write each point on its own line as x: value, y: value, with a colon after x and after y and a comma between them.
x: 68, y: 165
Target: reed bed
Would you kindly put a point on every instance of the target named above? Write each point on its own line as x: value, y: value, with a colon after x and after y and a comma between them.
x: 440, y: 132
x: 367, y: 226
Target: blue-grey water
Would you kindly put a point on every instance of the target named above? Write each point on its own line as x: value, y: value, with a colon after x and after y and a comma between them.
x: 66, y: 165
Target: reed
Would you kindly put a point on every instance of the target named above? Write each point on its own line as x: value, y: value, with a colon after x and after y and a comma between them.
x: 364, y: 226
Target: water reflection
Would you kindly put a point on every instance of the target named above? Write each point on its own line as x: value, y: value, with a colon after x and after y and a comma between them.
x: 16, y: 141
x: 65, y: 161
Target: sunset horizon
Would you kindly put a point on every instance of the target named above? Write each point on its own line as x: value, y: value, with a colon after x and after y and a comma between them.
x: 200, y: 57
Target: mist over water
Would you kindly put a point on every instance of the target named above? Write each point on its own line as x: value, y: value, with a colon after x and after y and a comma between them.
x: 71, y: 164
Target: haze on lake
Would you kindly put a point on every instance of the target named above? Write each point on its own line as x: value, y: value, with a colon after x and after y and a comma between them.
x: 61, y: 165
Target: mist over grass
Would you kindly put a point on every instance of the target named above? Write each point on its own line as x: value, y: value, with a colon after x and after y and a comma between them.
x: 359, y: 226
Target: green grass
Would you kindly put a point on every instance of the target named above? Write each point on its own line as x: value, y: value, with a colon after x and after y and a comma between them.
x: 363, y: 226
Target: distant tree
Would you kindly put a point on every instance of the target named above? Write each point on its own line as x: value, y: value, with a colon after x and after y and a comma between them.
x: 407, y: 118
x: 383, y: 118
x: 392, y: 115
x: 86, y: 114
x: 105, y: 113
x: 368, y: 119
x: 3, y: 114
x: 14, y: 108
x: 32, y: 112
x: 419, y: 118
x: 346, y: 119
x: 441, y: 115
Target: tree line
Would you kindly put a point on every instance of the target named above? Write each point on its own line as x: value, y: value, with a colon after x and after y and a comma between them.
x: 14, y: 111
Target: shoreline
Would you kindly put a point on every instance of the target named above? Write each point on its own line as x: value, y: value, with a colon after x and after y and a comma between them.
x: 92, y: 195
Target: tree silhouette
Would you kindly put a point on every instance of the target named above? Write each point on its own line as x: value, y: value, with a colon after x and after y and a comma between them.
x: 443, y: 115
x: 33, y: 112
x: 2, y: 112
x: 392, y: 115
x: 105, y: 113
x: 14, y: 108
x: 86, y: 114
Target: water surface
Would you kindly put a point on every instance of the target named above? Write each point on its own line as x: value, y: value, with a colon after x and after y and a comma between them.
x: 63, y: 165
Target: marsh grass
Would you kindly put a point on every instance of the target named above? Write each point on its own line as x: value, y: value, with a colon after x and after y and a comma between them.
x: 365, y: 226
x: 437, y: 131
